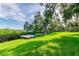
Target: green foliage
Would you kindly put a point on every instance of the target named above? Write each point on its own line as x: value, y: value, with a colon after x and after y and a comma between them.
x: 7, y: 34
x: 69, y: 10
x: 55, y: 18
x: 73, y: 26
x: 26, y: 26
x: 37, y: 25
x: 56, y: 26
x: 55, y: 44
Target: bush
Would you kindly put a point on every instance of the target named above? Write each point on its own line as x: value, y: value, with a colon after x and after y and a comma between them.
x: 7, y: 35
x: 56, y: 26
x: 72, y: 26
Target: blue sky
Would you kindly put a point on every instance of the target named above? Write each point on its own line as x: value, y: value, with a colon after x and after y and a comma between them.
x: 13, y: 15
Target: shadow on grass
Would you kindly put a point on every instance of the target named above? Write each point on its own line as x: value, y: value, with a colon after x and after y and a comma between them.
x: 25, y: 49
x: 69, y: 46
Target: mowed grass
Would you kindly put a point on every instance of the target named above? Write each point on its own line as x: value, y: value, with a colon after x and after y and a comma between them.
x: 54, y: 44
x: 10, y: 31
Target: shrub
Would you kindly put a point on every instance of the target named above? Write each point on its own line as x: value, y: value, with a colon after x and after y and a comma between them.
x: 7, y: 35
x: 72, y: 26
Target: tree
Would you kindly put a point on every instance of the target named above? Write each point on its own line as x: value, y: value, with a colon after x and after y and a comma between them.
x: 72, y: 26
x: 70, y: 10
x: 38, y: 22
x: 26, y: 26
x: 65, y: 11
x: 56, y: 17
x: 48, y: 13
x: 53, y: 11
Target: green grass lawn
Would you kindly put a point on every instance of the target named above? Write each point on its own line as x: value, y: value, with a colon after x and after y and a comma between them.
x: 58, y: 44
x: 10, y: 31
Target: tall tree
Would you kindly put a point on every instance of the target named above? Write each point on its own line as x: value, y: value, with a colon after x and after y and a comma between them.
x: 38, y: 22
x: 70, y: 10
x: 26, y: 26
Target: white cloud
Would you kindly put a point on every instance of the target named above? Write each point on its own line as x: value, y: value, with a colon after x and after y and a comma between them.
x: 12, y: 11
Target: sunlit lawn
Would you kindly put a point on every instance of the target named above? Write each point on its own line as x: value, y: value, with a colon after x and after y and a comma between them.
x: 59, y: 43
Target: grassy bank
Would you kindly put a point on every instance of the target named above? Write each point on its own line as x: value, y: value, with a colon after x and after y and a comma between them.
x: 8, y: 34
x: 59, y: 43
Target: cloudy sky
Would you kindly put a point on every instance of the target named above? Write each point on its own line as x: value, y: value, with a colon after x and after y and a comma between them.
x: 13, y: 16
